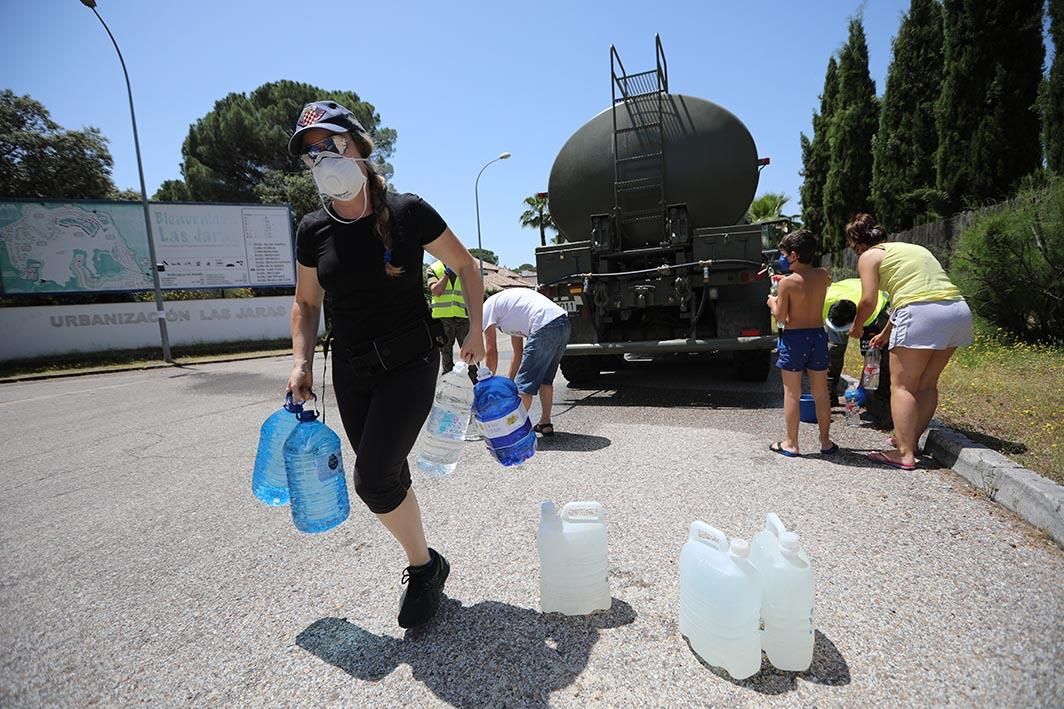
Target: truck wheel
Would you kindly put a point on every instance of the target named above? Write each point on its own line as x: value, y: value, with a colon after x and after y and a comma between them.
x: 751, y: 365
x: 578, y: 370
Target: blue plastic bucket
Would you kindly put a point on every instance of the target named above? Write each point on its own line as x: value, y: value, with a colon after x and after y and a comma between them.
x: 807, y: 409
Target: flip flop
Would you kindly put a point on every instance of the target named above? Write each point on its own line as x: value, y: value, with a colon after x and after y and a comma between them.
x: 830, y: 451
x: 777, y: 447
x: 547, y: 429
x: 880, y: 457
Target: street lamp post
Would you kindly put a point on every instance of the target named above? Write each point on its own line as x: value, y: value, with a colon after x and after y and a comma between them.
x: 160, y: 311
x: 476, y: 193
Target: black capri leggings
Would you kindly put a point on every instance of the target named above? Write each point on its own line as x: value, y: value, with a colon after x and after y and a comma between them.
x: 382, y: 415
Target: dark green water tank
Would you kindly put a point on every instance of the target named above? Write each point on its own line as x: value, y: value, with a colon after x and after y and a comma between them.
x: 710, y: 163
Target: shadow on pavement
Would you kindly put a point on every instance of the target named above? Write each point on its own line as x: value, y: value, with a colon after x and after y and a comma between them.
x: 689, y: 382
x: 628, y: 394
x: 487, y: 654
x: 562, y: 441
x: 858, y: 458
x: 233, y: 383
x: 829, y: 668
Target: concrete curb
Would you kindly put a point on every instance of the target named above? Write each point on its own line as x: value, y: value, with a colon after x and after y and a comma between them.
x: 1037, y: 500
x: 137, y: 366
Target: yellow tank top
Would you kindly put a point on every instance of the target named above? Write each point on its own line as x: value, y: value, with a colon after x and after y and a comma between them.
x: 911, y: 274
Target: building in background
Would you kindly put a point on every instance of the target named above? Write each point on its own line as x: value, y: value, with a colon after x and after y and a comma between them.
x: 497, y: 278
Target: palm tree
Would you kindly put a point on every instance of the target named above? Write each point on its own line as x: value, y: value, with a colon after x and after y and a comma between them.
x: 538, y: 216
x: 767, y: 207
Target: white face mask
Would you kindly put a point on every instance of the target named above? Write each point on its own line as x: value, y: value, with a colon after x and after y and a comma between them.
x: 338, y: 177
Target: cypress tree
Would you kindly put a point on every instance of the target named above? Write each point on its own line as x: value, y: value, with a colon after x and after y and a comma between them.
x: 856, y: 117
x: 903, y: 151
x: 1053, y: 94
x: 987, y: 114
x: 815, y: 155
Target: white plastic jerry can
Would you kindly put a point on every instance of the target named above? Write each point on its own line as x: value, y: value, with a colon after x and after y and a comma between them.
x: 720, y: 601
x: 787, y: 603
x: 573, y: 559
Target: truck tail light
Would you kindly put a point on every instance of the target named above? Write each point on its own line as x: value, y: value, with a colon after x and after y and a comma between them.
x: 749, y: 332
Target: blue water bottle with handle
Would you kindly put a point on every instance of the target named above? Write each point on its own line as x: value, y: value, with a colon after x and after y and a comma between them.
x: 269, y: 481
x: 502, y: 418
x: 316, y: 479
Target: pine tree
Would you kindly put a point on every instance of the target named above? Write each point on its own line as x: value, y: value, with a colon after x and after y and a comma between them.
x: 987, y: 114
x: 238, y: 151
x: 1053, y: 93
x: 903, y: 151
x: 847, y: 189
x: 815, y: 155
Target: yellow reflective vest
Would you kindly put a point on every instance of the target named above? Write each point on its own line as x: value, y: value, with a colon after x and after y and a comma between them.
x: 850, y: 289
x: 451, y: 304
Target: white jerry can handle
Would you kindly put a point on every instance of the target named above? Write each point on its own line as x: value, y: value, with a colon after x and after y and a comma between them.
x: 774, y: 524
x: 710, y: 536
x: 589, y: 511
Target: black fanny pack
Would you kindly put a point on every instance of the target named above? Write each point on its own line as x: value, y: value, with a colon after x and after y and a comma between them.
x: 397, y: 348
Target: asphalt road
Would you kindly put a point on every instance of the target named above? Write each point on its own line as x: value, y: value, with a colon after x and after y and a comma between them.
x: 136, y: 566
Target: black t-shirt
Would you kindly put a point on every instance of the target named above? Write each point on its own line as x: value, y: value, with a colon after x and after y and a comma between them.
x: 366, y: 302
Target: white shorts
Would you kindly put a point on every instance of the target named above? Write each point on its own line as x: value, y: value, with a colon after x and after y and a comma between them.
x: 936, y: 325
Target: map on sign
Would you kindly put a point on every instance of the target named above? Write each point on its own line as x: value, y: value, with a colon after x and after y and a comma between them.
x: 71, y: 247
x: 57, y: 247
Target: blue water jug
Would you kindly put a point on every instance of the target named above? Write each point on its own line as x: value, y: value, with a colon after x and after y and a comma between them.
x: 502, y: 418
x: 316, y: 477
x: 269, y: 481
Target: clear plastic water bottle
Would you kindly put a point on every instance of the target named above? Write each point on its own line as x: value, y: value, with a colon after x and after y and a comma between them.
x: 855, y: 398
x: 269, y: 481
x: 787, y: 604
x: 774, y: 284
x: 720, y: 601
x: 502, y: 418
x: 573, y: 559
x: 853, y: 411
x: 316, y: 477
x: 445, y: 428
x: 870, y: 375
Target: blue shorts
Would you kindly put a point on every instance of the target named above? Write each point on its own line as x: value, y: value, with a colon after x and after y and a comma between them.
x: 542, y: 353
x: 802, y: 349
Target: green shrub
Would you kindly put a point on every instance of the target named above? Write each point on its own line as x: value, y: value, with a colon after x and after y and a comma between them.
x: 1010, y: 264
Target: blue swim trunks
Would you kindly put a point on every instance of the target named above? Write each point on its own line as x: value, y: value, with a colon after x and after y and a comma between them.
x: 802, y: 349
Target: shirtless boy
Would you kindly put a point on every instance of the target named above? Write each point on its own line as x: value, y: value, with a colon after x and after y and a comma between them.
x: 803, y: 344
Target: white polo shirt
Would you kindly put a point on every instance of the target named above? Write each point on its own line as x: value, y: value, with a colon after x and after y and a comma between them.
x: 520, y: 311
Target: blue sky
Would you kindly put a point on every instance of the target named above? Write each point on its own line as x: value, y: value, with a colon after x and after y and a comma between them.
x: 459, y: 81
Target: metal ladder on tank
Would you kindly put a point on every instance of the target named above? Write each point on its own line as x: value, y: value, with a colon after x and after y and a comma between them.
x: 638, y: 147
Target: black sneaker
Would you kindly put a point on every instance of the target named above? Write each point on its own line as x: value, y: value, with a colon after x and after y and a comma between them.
x: 421, y: 597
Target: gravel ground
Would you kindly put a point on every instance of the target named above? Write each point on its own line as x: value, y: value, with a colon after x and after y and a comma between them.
x: 135, y: 565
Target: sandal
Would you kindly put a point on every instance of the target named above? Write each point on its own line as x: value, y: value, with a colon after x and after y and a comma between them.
x: 547, y: 429
x: 881, y: 457
x: 777, y: 447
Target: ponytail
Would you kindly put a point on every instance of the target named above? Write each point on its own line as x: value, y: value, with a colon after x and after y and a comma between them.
x: 377, y: 191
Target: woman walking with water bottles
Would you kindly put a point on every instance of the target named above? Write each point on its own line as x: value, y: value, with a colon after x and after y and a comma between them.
x: 365, y: 248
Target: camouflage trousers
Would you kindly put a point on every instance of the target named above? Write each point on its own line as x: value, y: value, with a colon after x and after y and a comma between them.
x: 454, y: 330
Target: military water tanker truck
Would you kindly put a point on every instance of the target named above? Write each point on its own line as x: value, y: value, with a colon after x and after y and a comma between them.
x: 649, y: 196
